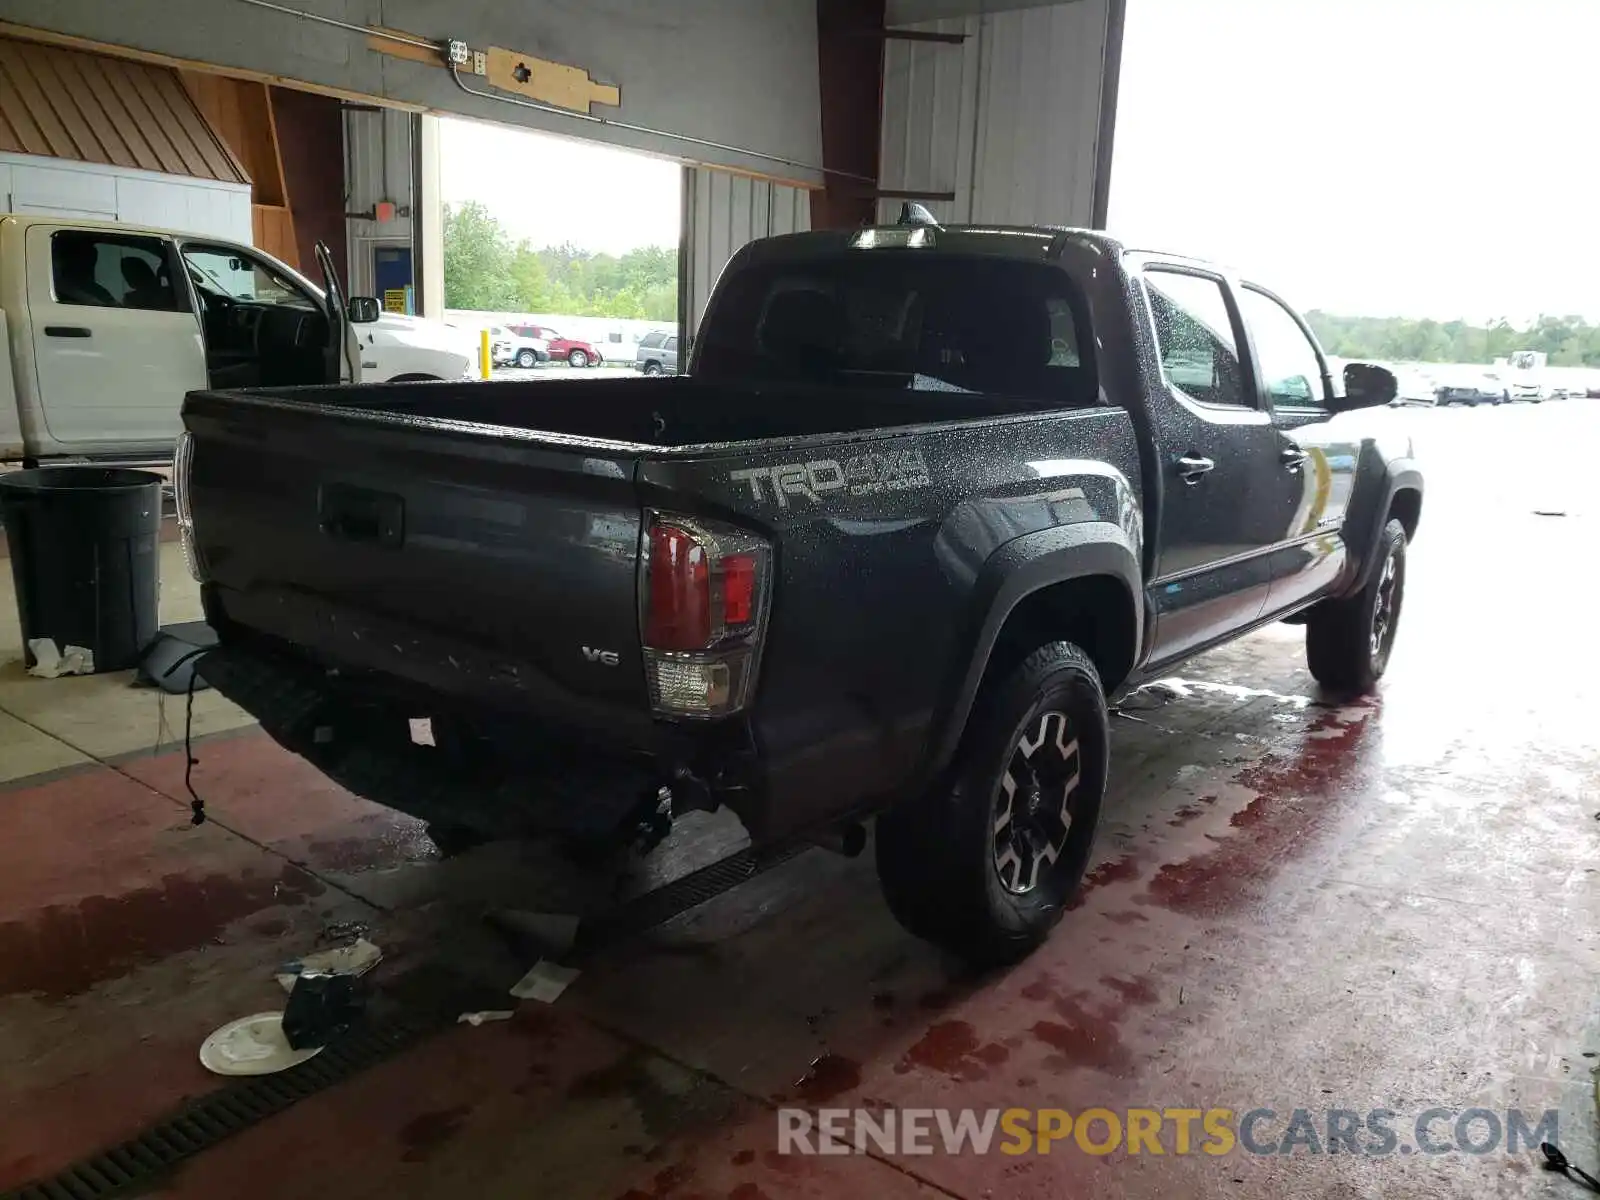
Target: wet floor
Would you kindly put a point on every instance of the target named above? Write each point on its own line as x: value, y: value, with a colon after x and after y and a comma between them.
x: 1388, y: 906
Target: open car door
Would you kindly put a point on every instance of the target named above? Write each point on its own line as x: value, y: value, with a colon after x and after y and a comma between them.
x: 344, y: 354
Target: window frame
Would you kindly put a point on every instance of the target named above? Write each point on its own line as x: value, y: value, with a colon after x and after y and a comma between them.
x: 182, y: 297
x: 256, y: 259
x: 1323, y: 406
x: 1241, y: 341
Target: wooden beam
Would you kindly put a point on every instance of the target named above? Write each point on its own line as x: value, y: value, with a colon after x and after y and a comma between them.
x: 548, y: 82
x: 418, y: 54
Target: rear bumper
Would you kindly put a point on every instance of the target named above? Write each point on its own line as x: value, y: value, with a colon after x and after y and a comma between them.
x: 525, y: 784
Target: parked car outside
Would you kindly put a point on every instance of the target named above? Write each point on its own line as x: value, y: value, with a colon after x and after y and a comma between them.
x: 571, y: 351
x: 507, y: 348
x: 657, y: 354
x: 1487, y: 388
x: 1415, y: 390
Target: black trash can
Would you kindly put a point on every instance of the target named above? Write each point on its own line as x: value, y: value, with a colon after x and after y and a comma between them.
x: 85, y: 555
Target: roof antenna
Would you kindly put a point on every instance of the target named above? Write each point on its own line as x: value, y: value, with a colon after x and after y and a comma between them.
x: 916, y: 214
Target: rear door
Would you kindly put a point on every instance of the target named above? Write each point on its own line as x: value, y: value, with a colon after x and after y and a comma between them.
x: 116, y: 344
x: 1316, y: 457
x: 1217, y: 518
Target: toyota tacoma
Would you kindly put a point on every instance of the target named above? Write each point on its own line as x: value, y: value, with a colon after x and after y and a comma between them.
x: 926, y: 501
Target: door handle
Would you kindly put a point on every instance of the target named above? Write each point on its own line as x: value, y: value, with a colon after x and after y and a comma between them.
x: 1293, y: 457
x: 1192, y: 467
x: 71, y: 331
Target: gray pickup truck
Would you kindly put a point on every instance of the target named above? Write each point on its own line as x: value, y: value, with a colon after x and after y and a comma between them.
x: 925, y: 501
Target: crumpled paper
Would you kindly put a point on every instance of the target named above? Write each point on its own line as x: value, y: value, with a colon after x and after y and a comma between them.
x: 51, y: 662
x: 545, y: 982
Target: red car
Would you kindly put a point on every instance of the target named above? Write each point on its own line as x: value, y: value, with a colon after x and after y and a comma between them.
x: 569, y: 350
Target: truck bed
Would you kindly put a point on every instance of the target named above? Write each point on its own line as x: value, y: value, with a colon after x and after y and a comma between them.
x: 672, y: 412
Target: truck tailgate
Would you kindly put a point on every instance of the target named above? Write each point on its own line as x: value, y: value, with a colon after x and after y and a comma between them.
x: 489, y: 569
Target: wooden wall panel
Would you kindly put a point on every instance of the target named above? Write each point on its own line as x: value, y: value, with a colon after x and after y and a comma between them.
x: 274, y: 233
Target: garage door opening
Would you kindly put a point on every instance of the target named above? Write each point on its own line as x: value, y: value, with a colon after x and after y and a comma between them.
x: 566, y: 252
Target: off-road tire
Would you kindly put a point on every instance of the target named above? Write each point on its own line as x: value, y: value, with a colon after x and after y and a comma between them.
x: 937, y: 854
x: 1342, y: 649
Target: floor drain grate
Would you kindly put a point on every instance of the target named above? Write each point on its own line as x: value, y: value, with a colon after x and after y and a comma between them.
x: 144, y: 1159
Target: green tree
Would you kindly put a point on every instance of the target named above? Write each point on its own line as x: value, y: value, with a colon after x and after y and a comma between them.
x: 1570, y: 341
x: 477, y: 261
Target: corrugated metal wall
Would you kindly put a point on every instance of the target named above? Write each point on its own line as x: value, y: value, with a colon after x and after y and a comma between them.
x: 1008, y: 120
x: 721, y: 213
x: 378, y: 166
x: 65, y: 104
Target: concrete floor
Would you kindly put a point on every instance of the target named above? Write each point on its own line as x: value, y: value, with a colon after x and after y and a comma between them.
x: 1386, y: 905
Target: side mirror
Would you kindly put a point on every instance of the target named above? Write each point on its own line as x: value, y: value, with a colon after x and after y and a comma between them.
x: 364, y: 310
x: 1366, y: 385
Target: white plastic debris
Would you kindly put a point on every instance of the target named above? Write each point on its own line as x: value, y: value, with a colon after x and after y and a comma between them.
x: 51, y: 662
x: 545, y: 982
x: 359, y: 957
x: 480, y: 1018
x: 422, y: 731
x: 253, y: 1045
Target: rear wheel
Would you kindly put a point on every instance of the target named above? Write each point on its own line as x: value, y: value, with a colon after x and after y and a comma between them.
x: 985, y: 865
x: 1348, y: 641
x: 652, y: 368
x: 527, y: 358
x: 578, y: 359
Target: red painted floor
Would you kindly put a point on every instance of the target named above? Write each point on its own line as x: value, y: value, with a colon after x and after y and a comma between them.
x: 1391, y: 905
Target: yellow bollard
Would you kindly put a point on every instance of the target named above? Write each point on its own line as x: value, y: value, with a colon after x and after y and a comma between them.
x: 485, y: 355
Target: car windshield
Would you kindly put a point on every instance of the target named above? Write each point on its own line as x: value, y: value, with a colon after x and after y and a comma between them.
x: 905, y: 320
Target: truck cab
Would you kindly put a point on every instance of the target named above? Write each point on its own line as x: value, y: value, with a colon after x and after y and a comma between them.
x: 107, y: 326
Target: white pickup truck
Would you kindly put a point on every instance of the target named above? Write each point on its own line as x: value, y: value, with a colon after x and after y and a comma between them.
x: 109, y: 326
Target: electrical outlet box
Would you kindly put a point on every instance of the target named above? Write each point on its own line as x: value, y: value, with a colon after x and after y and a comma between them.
x: 459, y: 53
x: 480, y: 63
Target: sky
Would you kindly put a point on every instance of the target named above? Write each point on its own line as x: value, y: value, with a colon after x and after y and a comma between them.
x: 551, y: 189
x: 1424, y: 158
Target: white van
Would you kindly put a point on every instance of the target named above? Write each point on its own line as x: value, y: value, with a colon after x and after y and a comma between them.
x: 109, y: 326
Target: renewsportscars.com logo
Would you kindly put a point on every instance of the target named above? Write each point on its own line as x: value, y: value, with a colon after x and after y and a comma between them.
x: 1377, y: 1133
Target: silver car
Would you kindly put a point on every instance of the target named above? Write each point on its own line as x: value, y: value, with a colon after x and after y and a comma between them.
x: 657, y: 354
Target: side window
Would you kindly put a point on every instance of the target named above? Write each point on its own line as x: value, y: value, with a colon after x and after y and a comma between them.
x: 671, y: 346
x: 104, y: 270
x: 1290, y: 369
x: 241, y: 277
x: 1199, y: 353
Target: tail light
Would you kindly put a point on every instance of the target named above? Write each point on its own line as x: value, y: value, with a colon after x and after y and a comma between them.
x: 702, y: 615
x: 182, y: 457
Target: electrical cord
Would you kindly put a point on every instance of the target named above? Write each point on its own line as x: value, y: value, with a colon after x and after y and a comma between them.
x: 197, y: 806
x: 404, y: 39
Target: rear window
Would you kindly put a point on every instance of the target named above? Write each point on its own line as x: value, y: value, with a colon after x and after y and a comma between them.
x: 905, y: 320
x: 651, y: 340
